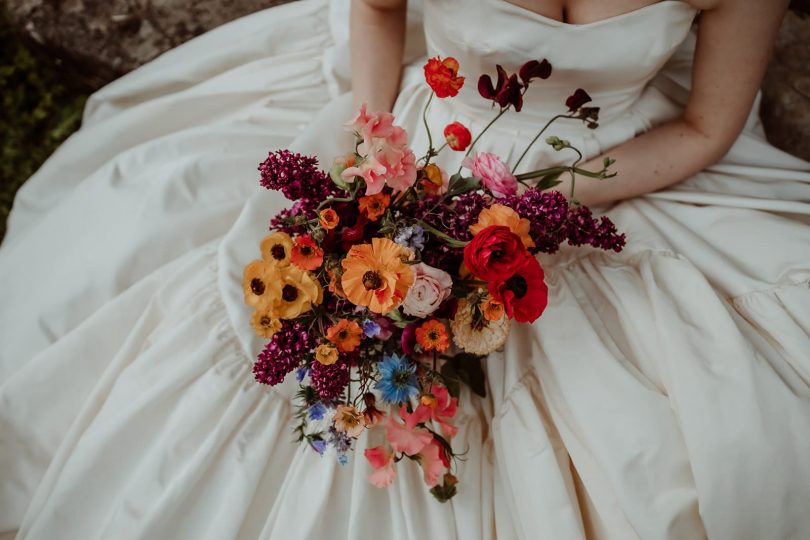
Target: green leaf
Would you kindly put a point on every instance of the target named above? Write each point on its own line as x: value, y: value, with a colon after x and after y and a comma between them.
x: 459, y: 185
x: 451, y: 379
x: 549, y: 181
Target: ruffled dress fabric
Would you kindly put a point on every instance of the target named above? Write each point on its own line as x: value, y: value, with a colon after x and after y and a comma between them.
x: 665, y: 393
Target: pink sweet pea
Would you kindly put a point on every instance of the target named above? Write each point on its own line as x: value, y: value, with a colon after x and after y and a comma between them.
x: 408, y: 438
x: 493, y: 172
x: 383, y: 462
x: 433, y: 464
x: 442, y: 409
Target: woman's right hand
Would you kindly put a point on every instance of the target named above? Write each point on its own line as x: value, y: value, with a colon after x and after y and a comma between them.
x: 377, y: 42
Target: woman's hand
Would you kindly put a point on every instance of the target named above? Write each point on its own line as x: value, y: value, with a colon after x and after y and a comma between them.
x: 377, y: 41
x: 735, y: 38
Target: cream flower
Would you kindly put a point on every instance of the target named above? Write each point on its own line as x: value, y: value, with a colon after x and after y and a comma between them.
x: 481, y: 338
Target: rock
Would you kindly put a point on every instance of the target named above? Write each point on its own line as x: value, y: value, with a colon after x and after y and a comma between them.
x: 100, y: 40
x: 786, y: 88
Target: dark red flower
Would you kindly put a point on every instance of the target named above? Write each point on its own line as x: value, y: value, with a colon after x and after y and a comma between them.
x: 534, y: 69
x: 576, y: 100
x: 494, y: 252
x: 442, y: 76
x: 524, y: 294
x: 458, y: 137
x: 507, y: 91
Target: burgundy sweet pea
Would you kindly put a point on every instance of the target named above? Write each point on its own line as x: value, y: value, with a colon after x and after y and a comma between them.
x: 534, y: 69
x: 507, y: 91
x: 576, y: 100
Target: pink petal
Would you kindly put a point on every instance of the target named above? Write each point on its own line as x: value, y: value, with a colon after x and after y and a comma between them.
x: 407, y: 440
x: 432, y: 466
x: 384, y: 476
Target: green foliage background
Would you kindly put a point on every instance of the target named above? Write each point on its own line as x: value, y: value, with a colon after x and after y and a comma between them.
x: 38, y: 112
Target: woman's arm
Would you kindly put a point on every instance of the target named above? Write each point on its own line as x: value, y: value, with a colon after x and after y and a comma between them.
x: 734, y: 43
x: 377, y: 40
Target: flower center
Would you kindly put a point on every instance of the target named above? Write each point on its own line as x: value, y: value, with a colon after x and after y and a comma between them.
x: 257, y: 286
x: 265, y: 321
x: 289, y: 293
x: 433, y: 335
x: 517, y: 284
x: 278, y: 252
x: 496, y: 255
x: 402, y: 378
x: 372, y: 280
x: 343, y: 334
x: 306, y: 251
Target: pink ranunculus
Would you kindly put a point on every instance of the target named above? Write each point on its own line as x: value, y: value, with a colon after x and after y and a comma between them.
x: 408, y: 438
x: 493, y: 172
x: 432, y: 463
x: 383, y: 463
x: 431, y: 286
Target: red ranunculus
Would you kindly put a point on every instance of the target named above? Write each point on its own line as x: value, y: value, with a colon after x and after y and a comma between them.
x: 524, y: 295
x: 495, y: 252
x: 442, y: 76
x: 457, y: 136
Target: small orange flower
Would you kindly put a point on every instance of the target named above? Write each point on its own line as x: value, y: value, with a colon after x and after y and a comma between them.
x: 328, y: 219
x: 326, y: 354
x: 492, y: 310
x: 335, y: 286
x: 265, y: 323
x: 345, y: 335
x: 432, y: 336
x: 442, y: 76
x: 276, y: 248
x: 306, y: 254
x: 498, y: 214
x: 373, y: 206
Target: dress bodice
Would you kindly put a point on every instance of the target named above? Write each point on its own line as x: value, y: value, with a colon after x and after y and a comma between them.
x: 612, y: 59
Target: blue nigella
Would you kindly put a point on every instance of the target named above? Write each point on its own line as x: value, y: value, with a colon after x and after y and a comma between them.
x: 397, y: 379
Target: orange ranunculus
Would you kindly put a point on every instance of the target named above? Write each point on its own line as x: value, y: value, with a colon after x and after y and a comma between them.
x: 432, y: 336
x: 492, y: 310
x: 498, y: 214
x: 436, y: 181
x: 326, y: 354
x: 345, y: 335
x: 276, y: 248
x: 442, y: 76
x: 298, y: 292
x: 373, y: 206
x: 265, y: 323
x: 306, y: 254
x: 260, y: 284
x: 375, y: 276
x: 328, y: 219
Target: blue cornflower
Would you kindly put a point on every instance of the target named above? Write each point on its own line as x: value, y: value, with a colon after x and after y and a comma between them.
x: 397, y: 379
x: 370, y: 328
x: 343, y: 459
x: 413, y: 236
x: 316, y: 411
x: 319, y: 445
x: 300, y: 373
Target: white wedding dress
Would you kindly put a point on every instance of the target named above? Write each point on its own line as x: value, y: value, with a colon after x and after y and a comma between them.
x: 665, y: 393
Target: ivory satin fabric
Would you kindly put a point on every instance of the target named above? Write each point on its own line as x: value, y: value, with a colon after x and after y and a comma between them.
x: 664, y: 394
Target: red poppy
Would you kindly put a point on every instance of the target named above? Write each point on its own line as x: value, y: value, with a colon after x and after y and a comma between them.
x: 524, y: 294
x: 494, y: 252
x: 442, y: 76
x: 508, y: 91
x: 458, y: 137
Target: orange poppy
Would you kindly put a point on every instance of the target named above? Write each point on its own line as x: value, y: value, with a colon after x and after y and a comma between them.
x: 374, y: 206
x: 265, y: 323
x: 298, y: 291
x: 345, y: 335
x: 492, y: 310
x: 375, y: 276
x: 326, y: 354
x: 276, y: 248
x: 328, y: 219
x: 260, y: 284
x: 306, y: 254
x: 432, y: 336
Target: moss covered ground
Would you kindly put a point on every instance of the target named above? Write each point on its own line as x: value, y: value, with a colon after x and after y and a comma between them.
x: 39, y: 111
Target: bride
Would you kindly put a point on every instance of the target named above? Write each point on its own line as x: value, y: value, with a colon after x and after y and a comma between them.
x: 665, y: 393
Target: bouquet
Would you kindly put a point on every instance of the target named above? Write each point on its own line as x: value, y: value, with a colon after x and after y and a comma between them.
x: 389, y: 280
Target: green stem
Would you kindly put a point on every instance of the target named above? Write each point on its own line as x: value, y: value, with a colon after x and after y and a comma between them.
x: 472, y: 144
x: 448, y: 239
x: 537, y: 137
x: 427, y: 128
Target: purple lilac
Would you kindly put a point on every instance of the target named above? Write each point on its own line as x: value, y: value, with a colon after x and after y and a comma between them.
x: 583, y: 229
x: 547, y: 211
x: 295, y: 175
x: 329, y: 381
x: 283, y: 353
